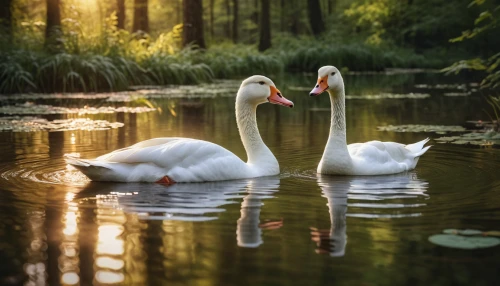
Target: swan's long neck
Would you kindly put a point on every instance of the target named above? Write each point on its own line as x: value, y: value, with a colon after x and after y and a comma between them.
x: 336, y: 153
x: 258, y: 153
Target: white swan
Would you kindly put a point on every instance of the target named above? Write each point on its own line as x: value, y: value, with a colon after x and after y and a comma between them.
x: 370, y: 158
x: 169, y: 160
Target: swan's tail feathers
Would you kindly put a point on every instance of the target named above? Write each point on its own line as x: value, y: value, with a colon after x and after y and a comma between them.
x: 418, y: 148
x: 422, y: 151
x: 91, y: 168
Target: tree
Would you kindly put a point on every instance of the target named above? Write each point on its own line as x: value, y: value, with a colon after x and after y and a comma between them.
x: 141, y: 21
x: 120, y: 14
x: 53, y: 18
x: 6, y: 15
x: 331, y: 6
x: 265, y: 26
x: 228, y: 19
x: 282, y: 16
x: 192, y: 31
x: 212, y: 4
x: 235, y: 21
x: 315, y: 17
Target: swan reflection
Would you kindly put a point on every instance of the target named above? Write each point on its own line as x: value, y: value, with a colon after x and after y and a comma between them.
x: 390, y: 196
x: 248, y: 231
x: 195, y: 202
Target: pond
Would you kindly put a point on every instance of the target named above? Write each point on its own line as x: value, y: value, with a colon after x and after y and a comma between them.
x: 297, y: 228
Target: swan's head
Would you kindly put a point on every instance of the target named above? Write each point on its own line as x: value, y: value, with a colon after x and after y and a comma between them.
x: 259, y: 89
x: 329, y: 78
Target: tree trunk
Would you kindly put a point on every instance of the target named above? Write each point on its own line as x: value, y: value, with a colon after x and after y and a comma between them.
x: 120, y: 14
x: 53, y: 18
x: 141, y: 21
x: 192, y: 31
x: 6, y: 16
x: 315, y: 17
x: 294, y: 25
x: 282, y: 16
x: 265, y: 26
x: 235, y: 21
x: 331, y: 6
x: 212, y: 4
x: 228, y: 19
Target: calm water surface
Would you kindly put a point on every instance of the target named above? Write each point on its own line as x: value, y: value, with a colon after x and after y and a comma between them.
x: 297, y: 228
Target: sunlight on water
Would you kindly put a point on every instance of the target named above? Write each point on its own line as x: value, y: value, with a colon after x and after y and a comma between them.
x: 57, y: 227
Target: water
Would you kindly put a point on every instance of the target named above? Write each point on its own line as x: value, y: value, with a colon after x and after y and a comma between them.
x: 297, y: 228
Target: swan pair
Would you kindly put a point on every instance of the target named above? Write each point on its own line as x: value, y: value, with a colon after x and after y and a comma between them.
x: 171, y: 159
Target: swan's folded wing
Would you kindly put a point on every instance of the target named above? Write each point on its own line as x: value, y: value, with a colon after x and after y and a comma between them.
x: 379, y: 152
x: 184, y: 159
x: 169, y: 152
x: 140, y: 145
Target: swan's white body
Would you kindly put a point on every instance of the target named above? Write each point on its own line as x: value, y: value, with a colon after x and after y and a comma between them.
x: 370, y: 158
x: 191, y: 160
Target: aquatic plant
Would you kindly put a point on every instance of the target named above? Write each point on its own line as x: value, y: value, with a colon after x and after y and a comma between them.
x: 30, y: 108
x: 354, y: 56
x: 32, y: 124
x: 466, y: 239
x: 439, y: 129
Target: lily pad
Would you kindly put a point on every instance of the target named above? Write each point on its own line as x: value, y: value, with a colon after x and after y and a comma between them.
x: 218, y: 88
x: 464, y: 242
x: 454, y: 94
x: 389, y: 96
x: 422, y: 128
x: 463, y: 231
x: 483, y: 139
x: 442, y: 86
x: 33, y: 124
x: 31, y: 109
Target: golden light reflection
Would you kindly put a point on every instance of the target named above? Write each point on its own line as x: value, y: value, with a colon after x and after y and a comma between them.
x: 70, y: 278
x: 69, y: 260
x: 35, y: 268
x: 111, y: 263
x: 110, y: 249
x: 109, y: 241
x: 70, y: 224
x: 108, y: 277
x: 135, y: 256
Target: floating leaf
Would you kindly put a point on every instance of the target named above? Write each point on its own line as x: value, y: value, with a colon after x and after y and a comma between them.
x: 422, y: 128
x: 492, y: 233
x: 464, y: 242
x: 30, y: 108
x: 454, y: 94
x: 32, y: 124
x: 389, y: 95
x: 482, y: 139
x: 463, y: 232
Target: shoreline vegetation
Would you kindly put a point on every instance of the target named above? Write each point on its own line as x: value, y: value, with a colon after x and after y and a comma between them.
x: 64, y: 46
x: 116, y: 68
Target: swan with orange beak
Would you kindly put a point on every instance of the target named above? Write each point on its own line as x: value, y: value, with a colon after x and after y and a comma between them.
x: 173, y: 160
x: 370, y: 158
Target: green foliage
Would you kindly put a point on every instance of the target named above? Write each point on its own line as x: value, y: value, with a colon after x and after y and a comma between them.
x: 487, y: 20
x: 229, y: 61
x: 355, y: 56
x: 370, y: 16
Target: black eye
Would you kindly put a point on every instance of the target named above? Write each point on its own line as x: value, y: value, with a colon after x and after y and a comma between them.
x: 261, y: 82
x: 333, y: 73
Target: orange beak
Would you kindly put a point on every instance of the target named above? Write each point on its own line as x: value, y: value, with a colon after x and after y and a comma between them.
x: 277, y: 98
x: 320, y: 87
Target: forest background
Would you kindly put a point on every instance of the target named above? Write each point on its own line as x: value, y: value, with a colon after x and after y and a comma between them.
x: 92, y: 45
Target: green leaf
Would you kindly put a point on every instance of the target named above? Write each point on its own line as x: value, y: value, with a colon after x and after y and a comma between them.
x: 464, y: 242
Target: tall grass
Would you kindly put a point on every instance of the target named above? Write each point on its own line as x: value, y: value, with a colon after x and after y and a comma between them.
x: 117, y: 59
x: 355, y: 56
